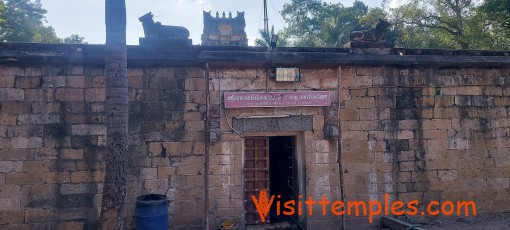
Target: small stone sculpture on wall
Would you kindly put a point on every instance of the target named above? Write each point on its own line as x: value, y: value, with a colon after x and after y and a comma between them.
x: 377, y: 34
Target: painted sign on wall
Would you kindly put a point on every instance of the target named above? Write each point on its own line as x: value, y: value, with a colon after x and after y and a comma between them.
x: 276, y: 99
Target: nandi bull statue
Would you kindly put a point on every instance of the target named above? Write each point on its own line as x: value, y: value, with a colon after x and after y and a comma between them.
x: 156, y: 30
x: 372, y: 35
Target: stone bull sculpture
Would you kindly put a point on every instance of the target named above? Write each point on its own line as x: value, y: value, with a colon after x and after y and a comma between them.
x: 372, y: 35
x: 156, y: 30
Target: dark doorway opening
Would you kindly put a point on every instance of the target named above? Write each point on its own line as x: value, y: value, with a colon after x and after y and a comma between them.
x: 281, y: 175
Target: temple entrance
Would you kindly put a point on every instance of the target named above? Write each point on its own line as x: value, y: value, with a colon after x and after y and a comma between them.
x: 281, y: 174
x: 270, y: 164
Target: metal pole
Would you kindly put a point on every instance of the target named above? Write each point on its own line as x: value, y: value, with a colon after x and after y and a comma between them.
x: 266, y: 25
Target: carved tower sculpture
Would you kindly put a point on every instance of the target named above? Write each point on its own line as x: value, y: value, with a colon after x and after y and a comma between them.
x: 224, y: 31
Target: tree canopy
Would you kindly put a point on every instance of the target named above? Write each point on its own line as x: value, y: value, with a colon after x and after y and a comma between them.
x: 497, y: 18
x: 447, y: 24
x: 450, y: 24
x: 316, y: 23
x: 23, y: 21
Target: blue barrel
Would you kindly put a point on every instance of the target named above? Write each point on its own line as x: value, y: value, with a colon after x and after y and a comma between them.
x: 151, y: 212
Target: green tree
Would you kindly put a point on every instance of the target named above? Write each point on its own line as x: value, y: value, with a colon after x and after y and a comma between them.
x: 371, y: 18
x: 265, y: 38
x: 74, y: 39
x: 443, y: 24
x: 117, y: 115
x: 498, y: 11
x: 23, y: 21
x: 494, y: 17
x: 46, y: 34
x: 303, y: 18
x: 452, y: 24
x: 2, y: 12
x: 336, y: 27
x: 316, y: 23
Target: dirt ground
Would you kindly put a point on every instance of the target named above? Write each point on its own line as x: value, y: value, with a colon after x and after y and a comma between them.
x: 484, y: 221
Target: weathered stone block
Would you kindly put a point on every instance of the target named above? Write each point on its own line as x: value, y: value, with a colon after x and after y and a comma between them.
x: 194, y: 125
x: 24, y: 142
x: 165, y: 172
x: 318, y: 122
x: 405, y: 134
x: 306, y: 82
x: 155, y: 148
x: 7, y: 81
x: 65, y: 94
x: 77, y: 81
x: 28, y: 82
x: 498, y: 183
x: 15, y: 107
x: 53, y: 81
x: 98, y: 82
x: 359, y: 92
x: 70, y: 225
x: 329, y: 83
x: 84, y: 129
x: 77, y: 188
x: 39, y: 196
x: 406, y: 156
x: 38, y: 119
x: 156, y: 185
x: 149, y: 173
x: 360, y: 102
x: 192, y: 116
x: 458, y: 143
x: 95, y: 95
x: 35, y: 95
x: 195, y: 84
x: 24, y: 178
x: 407, y: 124
x: 368, y: 114
x: 469, y: 90
x: 437, y: 124
x: 9, y: 94
x: 9, y: 217
x: 178, y: 148
x: 75, y: 200
x: 87, y: 176
x: 7, y: 120
x: 45, y: 107
x: 355, y: 135
x: 73, y: 154
x: 447, y: 175
x: 407, y: 166
x: 442, y: 164
x: 38, y: 166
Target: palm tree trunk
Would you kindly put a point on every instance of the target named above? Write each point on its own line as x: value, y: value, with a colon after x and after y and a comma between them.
x: 117, y: 109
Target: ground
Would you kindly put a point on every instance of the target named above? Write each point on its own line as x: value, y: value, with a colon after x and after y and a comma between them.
x: 492, y: 221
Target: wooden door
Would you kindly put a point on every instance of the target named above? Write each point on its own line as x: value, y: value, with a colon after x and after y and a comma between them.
x: 256, y: 174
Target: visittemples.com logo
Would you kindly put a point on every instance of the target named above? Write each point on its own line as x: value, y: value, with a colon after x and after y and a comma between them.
x: 372, y: 208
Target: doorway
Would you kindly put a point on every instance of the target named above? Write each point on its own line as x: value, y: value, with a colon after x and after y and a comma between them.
x: 281, y: 174
x: 270, y: 164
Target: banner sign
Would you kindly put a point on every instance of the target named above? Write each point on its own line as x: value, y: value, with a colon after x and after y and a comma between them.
x: 276, y: 99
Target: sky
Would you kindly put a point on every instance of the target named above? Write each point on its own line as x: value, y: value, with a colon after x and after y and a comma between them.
x: 86, y: 17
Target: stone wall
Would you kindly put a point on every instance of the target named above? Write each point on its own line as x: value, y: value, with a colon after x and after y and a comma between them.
x: 167, y: 109
x: 317, y: 157
x: 53, y: 136
x: 425, y: 134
